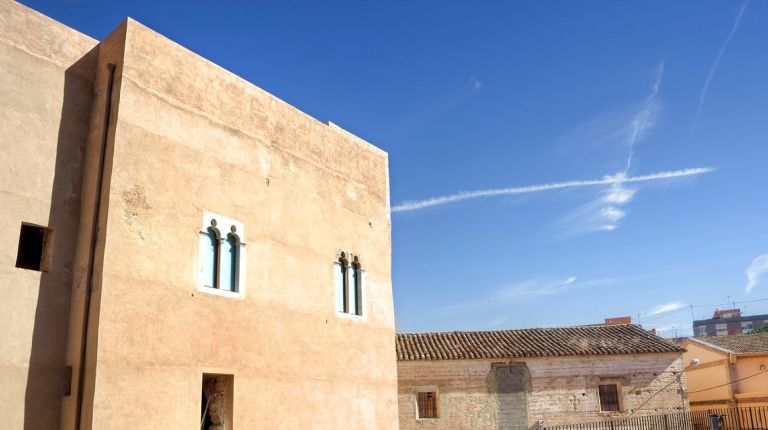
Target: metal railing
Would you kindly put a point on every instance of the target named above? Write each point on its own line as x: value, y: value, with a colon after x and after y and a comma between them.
x: 732, y: 419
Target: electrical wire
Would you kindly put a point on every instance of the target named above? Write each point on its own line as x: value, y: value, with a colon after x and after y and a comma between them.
x: 676, y: 381
x: 728, y: 383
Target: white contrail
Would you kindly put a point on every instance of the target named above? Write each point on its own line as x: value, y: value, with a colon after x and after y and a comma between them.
x: 606, y: 180
x: 713, y: 69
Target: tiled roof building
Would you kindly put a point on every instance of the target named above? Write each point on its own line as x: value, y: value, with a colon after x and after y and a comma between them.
x: 535, y: 342
x: 535, y: 377
x: 753, y: 343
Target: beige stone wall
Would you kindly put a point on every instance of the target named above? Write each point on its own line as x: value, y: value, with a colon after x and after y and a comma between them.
x: 562, y: 390
x: 190, y: 137
x: 46, y: 75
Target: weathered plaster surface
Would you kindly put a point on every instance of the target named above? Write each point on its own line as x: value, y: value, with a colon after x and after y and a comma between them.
x: 191, y: 137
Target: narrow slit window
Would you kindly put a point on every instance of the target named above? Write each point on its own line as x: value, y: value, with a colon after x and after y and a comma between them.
x: 352, y: 274
x: 209, y: 255
x: 338, y: 271
x: 32, y: 251
x: 230, y: 261
x: 357, y: 287
x: 427, y: 404
x: 609, y: 397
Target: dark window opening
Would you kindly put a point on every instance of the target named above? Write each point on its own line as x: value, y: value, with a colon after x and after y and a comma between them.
x: 609, y: 397
x: 216, y: 402
x: 427, y: 404
x: 32, y: 247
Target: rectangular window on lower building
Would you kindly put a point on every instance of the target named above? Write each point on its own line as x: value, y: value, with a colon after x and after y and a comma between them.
x: 609, y: 397
x: 426, y: 402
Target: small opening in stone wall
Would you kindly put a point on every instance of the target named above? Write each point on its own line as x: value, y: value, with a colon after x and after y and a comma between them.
x: 216, y: 402
x: 33, y: 247
x: 426, y: 402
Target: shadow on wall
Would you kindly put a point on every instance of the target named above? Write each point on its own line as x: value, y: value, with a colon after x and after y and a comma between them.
x: 48, y: 379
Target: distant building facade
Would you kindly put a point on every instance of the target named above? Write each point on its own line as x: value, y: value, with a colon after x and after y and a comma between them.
x: 183, y: 249
x: 731, y: 371
x: 618, y: 320
x: 519, y: 379
x: 728, y: 322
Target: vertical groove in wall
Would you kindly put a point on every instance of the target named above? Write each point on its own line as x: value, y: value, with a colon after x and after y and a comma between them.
x: 95, y: 233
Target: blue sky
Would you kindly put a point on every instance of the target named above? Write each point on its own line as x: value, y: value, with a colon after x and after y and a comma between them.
x: 622, y: 101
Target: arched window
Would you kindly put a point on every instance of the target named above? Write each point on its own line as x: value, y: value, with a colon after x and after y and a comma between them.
x: 221, y: 258
x: 209, y: 255
x: 230, y: 261
x: 348, y: 276
x: 356, y: 287
x: 340, y: 274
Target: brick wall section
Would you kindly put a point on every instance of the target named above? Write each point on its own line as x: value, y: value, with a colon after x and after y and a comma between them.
x: 561, y: 390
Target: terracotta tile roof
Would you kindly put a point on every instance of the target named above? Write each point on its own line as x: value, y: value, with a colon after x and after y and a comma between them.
x: 739, y: 343
x: 534, y: 342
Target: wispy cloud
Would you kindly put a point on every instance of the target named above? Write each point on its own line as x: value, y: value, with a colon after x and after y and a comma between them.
x: 604, y: 213
x: 495, y: 192
x: 471, y: 87
x: 713, y: 69
x: 499, y: 321
x: 646, y: 117
x: 664, y: 308
x: 536, y: 288
x: 539, y: 287
x: 529, y: 288
x: 755, y: 271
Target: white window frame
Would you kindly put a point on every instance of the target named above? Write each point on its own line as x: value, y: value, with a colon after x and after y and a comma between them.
x: 224, y: 224
x: 721, y: 328
x: 747, y: 327
x: 426, y: 389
